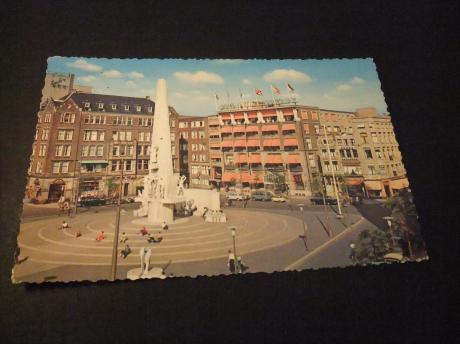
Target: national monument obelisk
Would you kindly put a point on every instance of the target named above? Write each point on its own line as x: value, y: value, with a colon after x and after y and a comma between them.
x: 160, y: 192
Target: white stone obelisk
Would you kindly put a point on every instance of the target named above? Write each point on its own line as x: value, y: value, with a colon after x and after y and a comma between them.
x: 160, y: 185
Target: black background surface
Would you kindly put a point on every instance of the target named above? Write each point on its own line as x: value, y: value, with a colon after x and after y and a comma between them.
x: 413, y: 44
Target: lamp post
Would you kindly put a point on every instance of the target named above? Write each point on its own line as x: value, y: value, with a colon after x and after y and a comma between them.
x: 389, y: 219
x: 233, y: 230
x: 117, y: 228
x: 304, y: 236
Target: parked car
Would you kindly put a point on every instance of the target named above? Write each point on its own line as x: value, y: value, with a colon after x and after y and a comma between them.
x: 278, y: 198
x: 319, y: 200
x: 91, y: 202
x: 233, y: 196
x: 261, y: 196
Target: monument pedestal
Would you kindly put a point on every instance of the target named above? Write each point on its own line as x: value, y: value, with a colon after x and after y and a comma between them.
x: 136, y: 274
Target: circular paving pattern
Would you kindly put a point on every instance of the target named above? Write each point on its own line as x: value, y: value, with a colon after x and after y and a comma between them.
x: 193, y: 240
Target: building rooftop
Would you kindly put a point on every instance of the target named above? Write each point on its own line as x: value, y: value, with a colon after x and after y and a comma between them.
x: 112, y: 104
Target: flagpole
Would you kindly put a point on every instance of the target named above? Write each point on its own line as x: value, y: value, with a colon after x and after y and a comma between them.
x: 215, y: 101
x: 273, y: 95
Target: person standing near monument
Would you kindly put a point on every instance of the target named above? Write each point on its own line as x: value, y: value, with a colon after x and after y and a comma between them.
x: 231, y: 261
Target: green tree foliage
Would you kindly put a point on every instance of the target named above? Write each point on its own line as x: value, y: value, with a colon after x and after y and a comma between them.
x: 405, y: 221
x: 112, y: 186
x: 371, y: 246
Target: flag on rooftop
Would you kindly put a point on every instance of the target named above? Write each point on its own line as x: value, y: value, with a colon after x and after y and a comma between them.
x: 291, y: 89
x: 217, y: 97
x: 275, y: 90
x: 259, y: 92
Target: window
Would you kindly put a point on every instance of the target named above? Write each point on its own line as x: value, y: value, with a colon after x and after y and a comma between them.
x: 86, y: 105
x: 121, y: 135
x: 100, y: 106
x: 304, y: 114
x: 65, y: 167
x: 56, y: 167
x: 67, y: 118
x: 150, y: 109
x: 128, y: 165
x: 308, y: 141
x: 42, y: 151
x: 38, y: 167
x: 60, y: 166
x: 378, y: 153
x: 100, y: 150
x: 126, y: 107
x: 147, y: 137
x: 183, y: 124
x: 371, y: 169
x: 173, y: 136
x: 368, y: 153
x: 36, y: 134
x: 129, y: 121
x: 138, y: 108
x: 201, y: 134
x: 39, y: 118
x: 128, y: 136
x: 194, y: 134
x: 63, y: 150
x: 65, y: 134
x: 184, y: 135
x: 129, y: 150
x: 114, y: 106
x: 316, y: 129
x: 47, y: 118
x: 84, y: 151
x: 92, y: 150
x: 374, y: 137
x: 45, y: 134
x: 311, y: 160
x: 314, y: 116
x: 93, y: 135
x: 33, y: 149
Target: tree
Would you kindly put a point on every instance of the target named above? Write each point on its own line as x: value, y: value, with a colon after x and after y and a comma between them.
x: 112, y: 187
x: 371, y: 246
x: 405, y: 221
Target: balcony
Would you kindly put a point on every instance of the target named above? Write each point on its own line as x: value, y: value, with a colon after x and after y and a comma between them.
x: 295, y: 168
x: 229, y: 167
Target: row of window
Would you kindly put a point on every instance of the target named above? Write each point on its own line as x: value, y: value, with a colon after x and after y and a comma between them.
x: 126, y: 107
x: 193, y: 135
x: 198, y: 169
x: 199, y: 157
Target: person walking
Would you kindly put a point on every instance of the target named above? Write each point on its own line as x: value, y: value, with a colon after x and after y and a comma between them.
x: 123, y: 238
x: 143, y: 231
x: 164, y: 226
x: 100, y: 236
x: 231, y: 262
x: 64, y: 225
x: 125, y: 252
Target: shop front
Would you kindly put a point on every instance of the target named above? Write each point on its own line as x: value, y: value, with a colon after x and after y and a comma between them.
x: 56, y: 190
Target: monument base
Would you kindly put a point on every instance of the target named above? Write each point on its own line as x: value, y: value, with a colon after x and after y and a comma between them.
x: 136, y: 274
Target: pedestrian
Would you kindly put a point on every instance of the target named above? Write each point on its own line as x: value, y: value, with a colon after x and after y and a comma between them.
x: 77, y: 234
x: 231, y: 262
x: 164, y: 226
x: 64, y: 225
x: 245, y: 203
x: 100, y: 236
x: 125, y: 252
x: 123, y: 237
x: 143, y: 231
x: 240, y: 265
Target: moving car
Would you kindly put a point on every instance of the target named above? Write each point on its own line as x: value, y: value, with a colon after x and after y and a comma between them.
x: 278, y: 198
x: 394, y: 257
x: 261, y: 196
x: 319, y: 200
x: 233, y: 196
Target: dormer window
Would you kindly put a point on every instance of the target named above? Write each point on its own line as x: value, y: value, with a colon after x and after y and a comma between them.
x: 100, y: 106
x: 149, y: 109
x: 87, y: 105
x: 138, y: 108
x: 126, y: 107
x: 114, y: 106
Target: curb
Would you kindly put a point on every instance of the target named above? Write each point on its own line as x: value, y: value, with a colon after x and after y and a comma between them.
x: 301, y: 260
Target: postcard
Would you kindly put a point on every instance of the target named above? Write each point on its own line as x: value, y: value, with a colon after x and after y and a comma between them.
x: 160, y: 168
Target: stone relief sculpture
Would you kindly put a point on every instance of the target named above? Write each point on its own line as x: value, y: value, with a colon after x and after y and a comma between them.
x: 180, y: 189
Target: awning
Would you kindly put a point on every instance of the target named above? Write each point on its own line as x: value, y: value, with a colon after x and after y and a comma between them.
x: 272, y: 143
x: 238, y: 116
x: 293, y: 159
x: 306, y: 128
x: 214, y: 144
x: 226, y: 130
x: 214, y: 154
x: 239, y: 129
x: 253, y: 143
x: 290, y: 142
x: 288, y: 112
x: 225, y: 116
x: 399, y: 184
x: 240, y: 143
x: 93, y: 162
x: 245, y: 177
x: 373, y: 185
x: 228, y: 176
x: 252, y: 114
x: 269, y: 114
x: 241, y: 158
x: 353, y: 181
x: 272, y: 127
x: 290, y: 126
x: 274, y: 159
x: 227, y: 143
x: 252, y: 129
x: 254, y: 159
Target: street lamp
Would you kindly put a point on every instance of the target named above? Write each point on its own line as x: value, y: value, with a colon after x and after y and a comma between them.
x: 304, y: 236
x: 233, y: 230
x: 389, y: 219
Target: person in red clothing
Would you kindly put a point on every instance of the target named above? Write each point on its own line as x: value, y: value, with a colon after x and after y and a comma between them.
x: 143, y: 231
x: 100, y: 236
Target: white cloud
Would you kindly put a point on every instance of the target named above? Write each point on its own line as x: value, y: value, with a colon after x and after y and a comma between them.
x: 247, y: 81
x: 130, y: 83
x: 147, y: 91
x: 229, y: 61
x: 356, y: 80
x: 192, y: 96
x: 343, y: 87
x: 199, y: 77
x: 286, y: 74
x: 87, y: 78
x: 84, y: 65
x: 136, y: 75
x: 112, y: 73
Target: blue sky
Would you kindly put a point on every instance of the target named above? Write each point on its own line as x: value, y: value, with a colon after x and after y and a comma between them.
x: 336, y: 84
